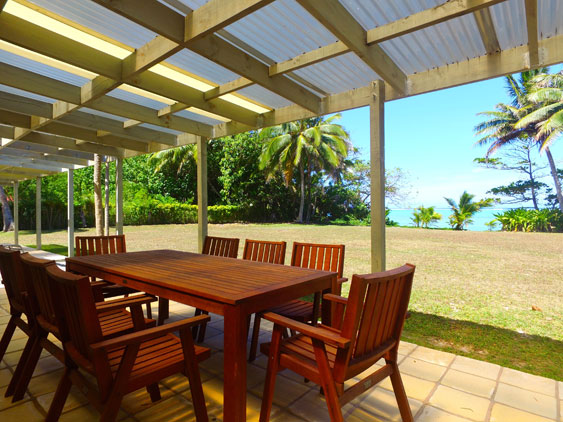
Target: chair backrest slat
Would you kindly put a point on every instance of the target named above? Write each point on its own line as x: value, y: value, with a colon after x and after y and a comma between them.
x: 318, y: 257
x: 100, y: 245
x: 13, y: 278
x: 376, y: 310
x: 264, y: 251
x: 220, y: 246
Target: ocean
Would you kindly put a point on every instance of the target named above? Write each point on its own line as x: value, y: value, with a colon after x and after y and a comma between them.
x: 404, y: 218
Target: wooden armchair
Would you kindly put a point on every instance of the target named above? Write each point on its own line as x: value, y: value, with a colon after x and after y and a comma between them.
x: 113, y: 319
x: 122, y: 364
x: 262, y: 251
x: 103, y: 245
x: 305, y: 255
x: 217, y: 246
x: 367, y: 327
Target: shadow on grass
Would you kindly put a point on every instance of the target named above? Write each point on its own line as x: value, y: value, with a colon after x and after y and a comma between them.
x: 529, y: 353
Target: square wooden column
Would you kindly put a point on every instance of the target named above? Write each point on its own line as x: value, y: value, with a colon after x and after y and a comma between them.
x: 201, y: 191
x: 119, y: 195
x: 377, y: 166
x: 16, y: 213
x: 70, y: 212
x: 38, y: 213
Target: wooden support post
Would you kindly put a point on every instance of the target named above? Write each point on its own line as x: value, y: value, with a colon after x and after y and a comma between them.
x: 106, y: 205
x: 377, y: 165
x: 70, y: 212
x: 38, y: 213
x: 16, y: 213
x: 201, y: 191
x: 119, y: 195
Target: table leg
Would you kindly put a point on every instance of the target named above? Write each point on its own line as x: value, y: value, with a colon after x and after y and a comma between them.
x: 234, y: 392
x: 163, y: 310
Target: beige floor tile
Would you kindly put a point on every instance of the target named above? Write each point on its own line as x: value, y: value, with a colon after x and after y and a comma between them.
x: 253, y: 405
x: 405, y: 347
x: 46, y: 365
x: 560, y: 385
x: 16, y: 345
x: 502, y: 413
x: 25, y: 411
x: 140, y: 400
x: 421, y: 369
x: 175, y: 408
x: 287, y: 417
x: 286, y: 390
x: 12, y: 359
x: 529, y: 401
x: 432, y: 414
x: 476, y: 367
x: 74, y: 400
x: 6, y: 402
x: 312, y: 407
x: 215, y: 342
x: 383, y: 403
x: 528, y: 381
x: 469, y: 383
x: 5, y: 377
x: 87, y: 414
x: 415, y: 387
x: 46, y: 383
x: 179, y: 383
x: 361, y: 415
x: 433, y: 356
x: 460, y: 403
x: 214, y: 364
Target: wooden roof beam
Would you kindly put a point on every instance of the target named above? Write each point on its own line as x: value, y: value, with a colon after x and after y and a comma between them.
x: 487, y: 30
x: 72, y: 144
x: 227, y: 88
x: 532, y: 27
x: 170, y: 24
x: 217, y: 14
x: 336, y: 18
x: 49, y: 87
x: 16, y: 152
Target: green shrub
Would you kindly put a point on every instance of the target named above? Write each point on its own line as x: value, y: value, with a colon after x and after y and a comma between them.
x: 529, y: 220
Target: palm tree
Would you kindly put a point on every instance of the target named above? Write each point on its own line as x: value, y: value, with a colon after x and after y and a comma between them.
x: 547, y: 118
x: 174, y: 158
x: 464, y: 210
x: 309, y: 145
x: 425, y: 216
x: 521, y: 120
x: 98, y: 207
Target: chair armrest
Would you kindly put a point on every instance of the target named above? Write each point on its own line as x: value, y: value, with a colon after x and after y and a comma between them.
x: 342, y: 280
x: 99, y: 283
x: 149, y: 333
x: 310, y: 331
x: 335, y: 298
x: 122, y: 303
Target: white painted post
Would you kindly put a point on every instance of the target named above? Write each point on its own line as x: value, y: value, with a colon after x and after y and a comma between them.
x: 201, y: 191
x: 16, y: 213
x: 377, y: 166
x: 38, y: 213
x: 119, y: 195
x: 106, y: 200
x: 70, y: 212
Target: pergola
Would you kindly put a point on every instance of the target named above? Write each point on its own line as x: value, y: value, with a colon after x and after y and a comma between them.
x: 126, y: 77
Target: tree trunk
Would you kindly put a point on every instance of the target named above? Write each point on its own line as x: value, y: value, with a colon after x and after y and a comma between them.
x: 6, y: 211
x: 532, y: 179
x: 106, y: 209
x: 302, y: 202
x: 555, y: 178
x: 98, y: 209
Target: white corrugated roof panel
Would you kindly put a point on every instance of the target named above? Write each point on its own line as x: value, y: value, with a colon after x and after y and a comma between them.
x: 550, y: 15
x: 160, y: 128
x: 137, y: 99
x: 194, y: 63
x: 198, y: 117
x: 264, y: 96
x: 509, y: 19
x: 103, y: 114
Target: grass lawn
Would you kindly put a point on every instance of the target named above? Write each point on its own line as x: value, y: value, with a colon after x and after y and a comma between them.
x: 473, y: 291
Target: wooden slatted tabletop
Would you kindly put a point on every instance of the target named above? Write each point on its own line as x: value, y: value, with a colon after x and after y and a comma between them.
x: 230, y: 287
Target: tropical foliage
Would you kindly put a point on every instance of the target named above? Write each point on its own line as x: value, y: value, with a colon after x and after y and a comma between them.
x: 527, y: 220
x: 423, y: 216
x: 463, y: 211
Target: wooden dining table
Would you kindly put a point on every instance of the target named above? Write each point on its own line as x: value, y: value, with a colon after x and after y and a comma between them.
x: 230, y: 287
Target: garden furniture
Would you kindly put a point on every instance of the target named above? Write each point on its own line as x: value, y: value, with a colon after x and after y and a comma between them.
x: 365, y: 328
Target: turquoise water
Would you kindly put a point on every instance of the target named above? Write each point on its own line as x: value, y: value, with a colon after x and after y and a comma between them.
x: 404, y: 218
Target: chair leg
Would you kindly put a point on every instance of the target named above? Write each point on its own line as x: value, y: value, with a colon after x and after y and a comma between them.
x: 24, y: 369
x: 192, y: 372
x: 271, y: 373
x: 400, y: 394
x: 163, y: 310
x: 154, y: 392
x: 202, y: 328
x: 255, y: 333
x: 328, y: 385
x: 149, y: 310
x: 61, y: 395
x: 7, y: 336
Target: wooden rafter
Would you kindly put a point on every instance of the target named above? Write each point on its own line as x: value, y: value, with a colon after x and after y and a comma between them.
x: 336, y: 18
x: 487, y: 30
x: 166, y: 22
x: 532, y: 27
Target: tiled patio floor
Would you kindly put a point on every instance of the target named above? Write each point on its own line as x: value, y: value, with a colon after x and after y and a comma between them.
x: 441, y: 387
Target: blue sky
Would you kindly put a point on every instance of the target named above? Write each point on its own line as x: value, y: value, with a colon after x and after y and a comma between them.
x: 431, y: 138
